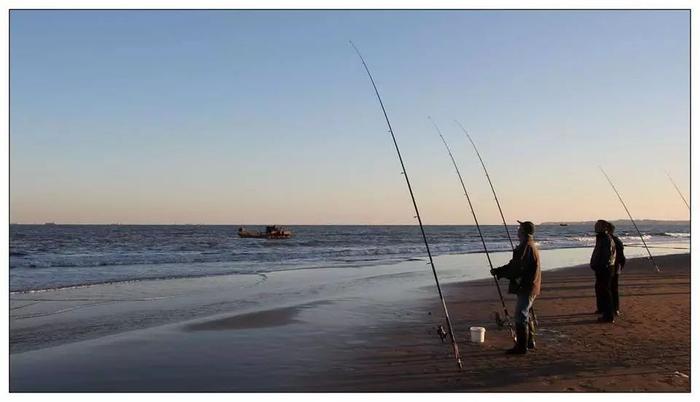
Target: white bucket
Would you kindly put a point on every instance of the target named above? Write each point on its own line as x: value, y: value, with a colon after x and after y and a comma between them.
x: 478, y: 334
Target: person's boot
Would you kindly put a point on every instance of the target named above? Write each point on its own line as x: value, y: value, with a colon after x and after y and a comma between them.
x: 531, y: 335
x: 520, y: 347
x: 607, y: 318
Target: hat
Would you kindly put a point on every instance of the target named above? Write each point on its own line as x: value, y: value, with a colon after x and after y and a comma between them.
x: 528, y: 227
x: 601, y: 226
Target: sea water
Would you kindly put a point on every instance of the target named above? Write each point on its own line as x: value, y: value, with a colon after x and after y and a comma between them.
x: 56, y: 256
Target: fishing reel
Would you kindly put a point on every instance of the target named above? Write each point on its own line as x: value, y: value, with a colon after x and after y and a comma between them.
x: 500, y: 321
x: 441, y: 333
x: 504, y: 323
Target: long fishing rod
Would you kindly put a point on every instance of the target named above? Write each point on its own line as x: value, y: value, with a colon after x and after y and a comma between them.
x: 651, y: 257
x: 478, y: 227
x: 415, y: 206
x: 677, y: 189
x: 495, y: 197
x: 493, y: 190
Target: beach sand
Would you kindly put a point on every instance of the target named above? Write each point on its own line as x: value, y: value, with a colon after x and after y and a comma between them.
x: 647, y: 349
x: 351, y: 342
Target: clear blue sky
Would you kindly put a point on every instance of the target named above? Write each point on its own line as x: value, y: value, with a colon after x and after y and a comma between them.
x: 257, y: 117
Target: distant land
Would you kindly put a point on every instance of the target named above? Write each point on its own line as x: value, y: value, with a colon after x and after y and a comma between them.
x: 622, y: 222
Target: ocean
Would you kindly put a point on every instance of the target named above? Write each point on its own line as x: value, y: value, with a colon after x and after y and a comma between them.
x: 44, y: 257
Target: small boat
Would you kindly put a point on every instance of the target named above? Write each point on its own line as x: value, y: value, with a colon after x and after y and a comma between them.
x: 563, y: 224
x: 271, y: 232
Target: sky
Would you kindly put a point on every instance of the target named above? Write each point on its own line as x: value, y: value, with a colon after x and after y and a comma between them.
x: 244, y: 117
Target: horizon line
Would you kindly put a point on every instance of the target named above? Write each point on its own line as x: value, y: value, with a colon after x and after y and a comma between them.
x: 555, y: 222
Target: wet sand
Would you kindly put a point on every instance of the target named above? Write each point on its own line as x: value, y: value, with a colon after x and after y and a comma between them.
x: 352, y: 342
x: 260, y: 319
x: 647, y: 349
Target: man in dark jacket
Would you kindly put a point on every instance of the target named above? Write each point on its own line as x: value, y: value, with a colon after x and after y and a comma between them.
x: 525, y: 276
x: 619, y: 264
x: 603, y: 264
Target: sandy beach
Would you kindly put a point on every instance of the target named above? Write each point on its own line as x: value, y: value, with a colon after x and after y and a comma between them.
x: 647, y: 349
x: 384, y: 343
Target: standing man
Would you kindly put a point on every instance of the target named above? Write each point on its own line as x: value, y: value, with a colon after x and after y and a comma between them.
x: 603, y: 264
x: 523, y: 270
x: 619, y: 264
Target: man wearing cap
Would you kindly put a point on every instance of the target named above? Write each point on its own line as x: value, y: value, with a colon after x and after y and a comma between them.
x: 523, y: 270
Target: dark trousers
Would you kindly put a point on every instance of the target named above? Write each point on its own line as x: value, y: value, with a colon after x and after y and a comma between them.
x: 614, y: 291
x: 598, y: 302
x: 604, y: 292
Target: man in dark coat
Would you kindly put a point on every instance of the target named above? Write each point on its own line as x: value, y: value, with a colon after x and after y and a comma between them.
x: 525, y: 276
x: 619, y: 264
x: 603, y: 264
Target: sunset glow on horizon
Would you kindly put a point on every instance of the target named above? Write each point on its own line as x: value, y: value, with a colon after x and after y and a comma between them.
x: 255, y: 117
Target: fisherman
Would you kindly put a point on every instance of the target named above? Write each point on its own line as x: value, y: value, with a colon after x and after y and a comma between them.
x: 603, y: 264
x: 523, y: 270
x: 619, y: 264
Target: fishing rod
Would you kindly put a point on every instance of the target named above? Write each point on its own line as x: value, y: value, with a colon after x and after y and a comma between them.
x: 478, y: 227
x: 493, y: 190
x: 495, y: 197
x: 651, y: 257
x: 455, y: 349
x: 677, y: 189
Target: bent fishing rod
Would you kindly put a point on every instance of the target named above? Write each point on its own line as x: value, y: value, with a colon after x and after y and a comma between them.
x: 495, y: 197
x: 677, y: 189
x: 478, y: 227
x: 651, y: 257
x: 455, y: 349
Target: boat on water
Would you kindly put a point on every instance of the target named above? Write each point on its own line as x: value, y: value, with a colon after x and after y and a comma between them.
x: 271, y: 232
x: 563, y: 224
